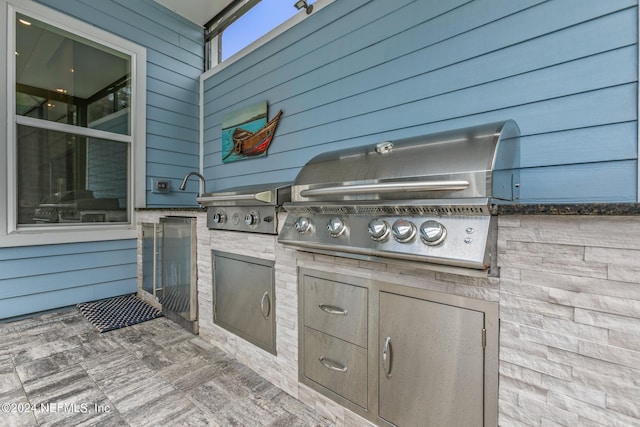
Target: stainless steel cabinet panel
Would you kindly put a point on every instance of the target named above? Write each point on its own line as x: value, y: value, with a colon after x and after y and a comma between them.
x: 431, y: 363
x: 150, y: 248
x: 179, y: 293
x: 337, y: 365
x: 244, y: 298
x: 336, y: 308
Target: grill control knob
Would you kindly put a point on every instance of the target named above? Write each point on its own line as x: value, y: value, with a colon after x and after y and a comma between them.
x: 432, y: 233
x: 403, y: 230
x: 378, y: 229
x: 336, y: 227
x: 251, y: 219
x: 235, y: 218
x: 218, y: 218
x: 302, y: 225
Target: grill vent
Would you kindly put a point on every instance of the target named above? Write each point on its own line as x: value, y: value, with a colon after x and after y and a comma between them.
x: 392, y: 210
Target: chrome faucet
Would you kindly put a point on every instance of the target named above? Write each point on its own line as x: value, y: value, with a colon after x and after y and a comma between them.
x: 186, y: 177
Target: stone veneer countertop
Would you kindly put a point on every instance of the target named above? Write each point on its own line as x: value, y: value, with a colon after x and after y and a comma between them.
x: 614, y: 209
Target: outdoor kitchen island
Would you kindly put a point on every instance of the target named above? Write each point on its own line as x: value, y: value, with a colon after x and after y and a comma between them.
x: 568, y: 294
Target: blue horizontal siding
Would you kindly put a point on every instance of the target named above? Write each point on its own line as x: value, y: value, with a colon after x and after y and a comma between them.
x: 611, y: 181
x: 165, y: 114
x: 583, y: 145
x: 363, y: 72
x: 24, y: 286
x: 186, y: 112
x: 65, y: 297
x: 38, y: 266
x: 400, y: 53
x: 178, y: 159
x: 178, y: 132
x: 22, y: 252
x: 40, y: 278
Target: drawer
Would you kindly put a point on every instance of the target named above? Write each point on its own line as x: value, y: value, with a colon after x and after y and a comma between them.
x: 337, y: 365
x: 337, y: 309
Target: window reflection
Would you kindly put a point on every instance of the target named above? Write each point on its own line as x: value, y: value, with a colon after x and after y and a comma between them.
x: 66, y: 178
x: 67, y: 79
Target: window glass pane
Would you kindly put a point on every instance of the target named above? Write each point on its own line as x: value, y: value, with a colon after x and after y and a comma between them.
x: 65, y: 78
x: 67, y: 178
x: 255, y: 23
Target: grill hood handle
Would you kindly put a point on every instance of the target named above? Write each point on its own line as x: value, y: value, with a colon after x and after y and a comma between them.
x: 263, y: 196
x: 391, y: 187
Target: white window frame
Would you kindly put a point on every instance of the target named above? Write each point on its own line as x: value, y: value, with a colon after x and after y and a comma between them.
x: 10, y: 233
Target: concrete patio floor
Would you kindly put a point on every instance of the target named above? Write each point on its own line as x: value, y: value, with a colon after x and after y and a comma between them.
x: 56, y: 370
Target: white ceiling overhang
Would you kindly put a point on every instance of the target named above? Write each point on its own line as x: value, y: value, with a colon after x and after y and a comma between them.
x: 198, y: 11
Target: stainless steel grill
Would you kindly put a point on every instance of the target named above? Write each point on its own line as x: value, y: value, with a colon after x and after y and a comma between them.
x: 427, y: 198
x: 252, y: 209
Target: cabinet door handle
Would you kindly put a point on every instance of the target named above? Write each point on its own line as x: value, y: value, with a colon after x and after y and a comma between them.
x: 387, y: 354
x: 332, y: 309
x: 332, y: 365
x: 265, y: 305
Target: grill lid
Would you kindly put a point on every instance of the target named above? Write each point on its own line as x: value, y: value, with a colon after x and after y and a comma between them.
x: 425, y: 199
x: 269, y: 194
x: 476, y: 162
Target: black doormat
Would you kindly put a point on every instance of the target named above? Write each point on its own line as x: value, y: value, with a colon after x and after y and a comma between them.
x: 115, y: 313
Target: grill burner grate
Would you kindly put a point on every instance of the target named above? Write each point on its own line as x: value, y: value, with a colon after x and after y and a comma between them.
x: 391, y: 210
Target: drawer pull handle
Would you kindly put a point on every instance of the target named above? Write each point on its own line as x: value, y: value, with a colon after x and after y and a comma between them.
x: 332, y: 365
x: 387, y: 354
x: 332, y: 309
x: 265, y: 305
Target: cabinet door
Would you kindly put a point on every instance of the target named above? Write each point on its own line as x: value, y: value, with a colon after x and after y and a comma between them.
x: 244, y: 300
x: 179, y: 266
x: 431, y: 363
